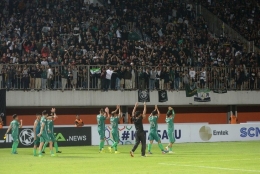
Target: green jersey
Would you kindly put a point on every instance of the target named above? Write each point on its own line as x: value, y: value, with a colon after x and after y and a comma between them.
x: 50, y: 126
x: 153, y: 122
x: 170, y: 120
x: 44, y: 121
x: 114, y: 123
x: 101, y: 122
x: 38, y: 126
x: 15, y: 127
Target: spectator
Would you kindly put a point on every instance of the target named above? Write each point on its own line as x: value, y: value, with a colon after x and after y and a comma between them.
x: 64, y: 78
x: 38, y: 81
x: 44, y: 78
x: 152, y: 79
x: 79, y: 122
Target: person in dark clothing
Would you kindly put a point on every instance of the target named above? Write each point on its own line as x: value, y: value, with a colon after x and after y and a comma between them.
x: 114, y: 76
x: 137, y: 119
x: 146, y: 78
x: 103, y: 79
x: 252, y: 79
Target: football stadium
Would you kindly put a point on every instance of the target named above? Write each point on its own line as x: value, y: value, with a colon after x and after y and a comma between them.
x: 129, y: 86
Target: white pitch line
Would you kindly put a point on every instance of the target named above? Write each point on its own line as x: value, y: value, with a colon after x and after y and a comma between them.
x: 226, y: 160
x: 209, y: 167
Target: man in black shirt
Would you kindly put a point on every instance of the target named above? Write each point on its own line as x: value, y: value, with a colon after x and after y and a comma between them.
x: 137, y: 118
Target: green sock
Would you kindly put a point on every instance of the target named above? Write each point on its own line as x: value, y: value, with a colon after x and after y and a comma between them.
x: 160, y: 146
x: 149, y: 147
x: 115, y: 146
x: 15, y: 146
x: 44, y: 146
x: 170, y: 148
x: 56, y: 146
x: 100, y: 145
x: 40, y: 152
x: 34, y: 152
x: 51, y: 152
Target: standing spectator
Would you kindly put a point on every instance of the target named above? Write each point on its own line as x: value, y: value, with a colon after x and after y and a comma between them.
x: 49, y: 77
x: 252, y: 79
x: 70, y: 78
x: 74, y: 77
x: 109, y: 72
x: 38, y: 80
x: 128, y: 77
x: 64, y: 78
x: 152, y: 79
x: 133, y: 80
x: 113, y: 79
x: 9, y: 77
x: 141, y: 79
x: 167, y: 79
x: 80, y: 78
x: 103, y: 79
x: 25, y: 78
x: 177, y: 79
x: 147, y: 78
x: 258, y: 79
x: 32, y: 78
x: 162, y: 76
x: 57, y: 78
x: 85, y: 78
x: 44, y: 78
x: 203, y: 76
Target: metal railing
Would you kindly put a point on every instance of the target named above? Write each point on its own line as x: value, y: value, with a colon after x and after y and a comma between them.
x: 87, y: 77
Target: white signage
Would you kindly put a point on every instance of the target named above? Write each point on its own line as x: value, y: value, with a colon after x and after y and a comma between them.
x: 186, y: 133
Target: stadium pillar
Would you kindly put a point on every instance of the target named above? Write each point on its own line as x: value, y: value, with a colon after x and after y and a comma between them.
x: 125, y: 114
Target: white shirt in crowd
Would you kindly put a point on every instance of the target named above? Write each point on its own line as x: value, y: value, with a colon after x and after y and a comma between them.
x: 118, y: 34
x: 44, y: 62
x: 192, y: 74
x: 49, y: 73
x: 109, y: 74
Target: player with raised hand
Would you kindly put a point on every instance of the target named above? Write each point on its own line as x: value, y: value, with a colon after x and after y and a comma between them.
x: 169, y: 120
x: 44, y: 137
x: 101, y: 118
x: 36, y: 130
x: 50, y: 123
x: 137, y: 118
x: 153, y: 135
x: 14, y: 125
x: 114, y: 119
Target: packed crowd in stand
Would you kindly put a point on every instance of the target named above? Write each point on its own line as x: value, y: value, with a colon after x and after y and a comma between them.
x: 127, y: 45
x: 242, y: 15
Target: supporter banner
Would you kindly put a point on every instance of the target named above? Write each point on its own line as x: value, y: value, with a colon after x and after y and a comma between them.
x: 162, y: 96
x: 186, y: 133
x: 202, y: 95
x: 220, y: 91
x: 143, y: 96
x: 66, y: 136
x: 190, y: 90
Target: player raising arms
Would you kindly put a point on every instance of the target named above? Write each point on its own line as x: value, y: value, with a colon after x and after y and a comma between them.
x: 44, y: 134
x: 169, y: 120
x: 137, y: 118
x: 153, y: 135
x: 101, y: 118
x: 14, y: 125
x: 36, y: 130
x: 50, y: 123
x: 114, y: 119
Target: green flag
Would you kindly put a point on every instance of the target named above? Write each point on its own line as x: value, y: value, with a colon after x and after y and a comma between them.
x: 190, y: 91
x: 95, y: 70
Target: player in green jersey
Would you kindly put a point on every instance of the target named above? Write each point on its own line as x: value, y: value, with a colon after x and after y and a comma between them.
x: 153, y: 135
x: 15, y: 125
x: 101, y: 118
x: 44, y: 137
x: 50, y: 123
x: 114, y: 119
x: 36, y: 131
x: 169, y: 120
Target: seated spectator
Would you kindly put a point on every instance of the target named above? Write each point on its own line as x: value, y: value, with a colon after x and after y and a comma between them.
x: 78, y: 122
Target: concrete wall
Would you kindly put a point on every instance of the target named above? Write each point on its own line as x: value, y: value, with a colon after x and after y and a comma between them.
x: 97, y: 98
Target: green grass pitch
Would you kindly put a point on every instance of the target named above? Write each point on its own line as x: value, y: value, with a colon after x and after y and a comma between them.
x: 208, y: 158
